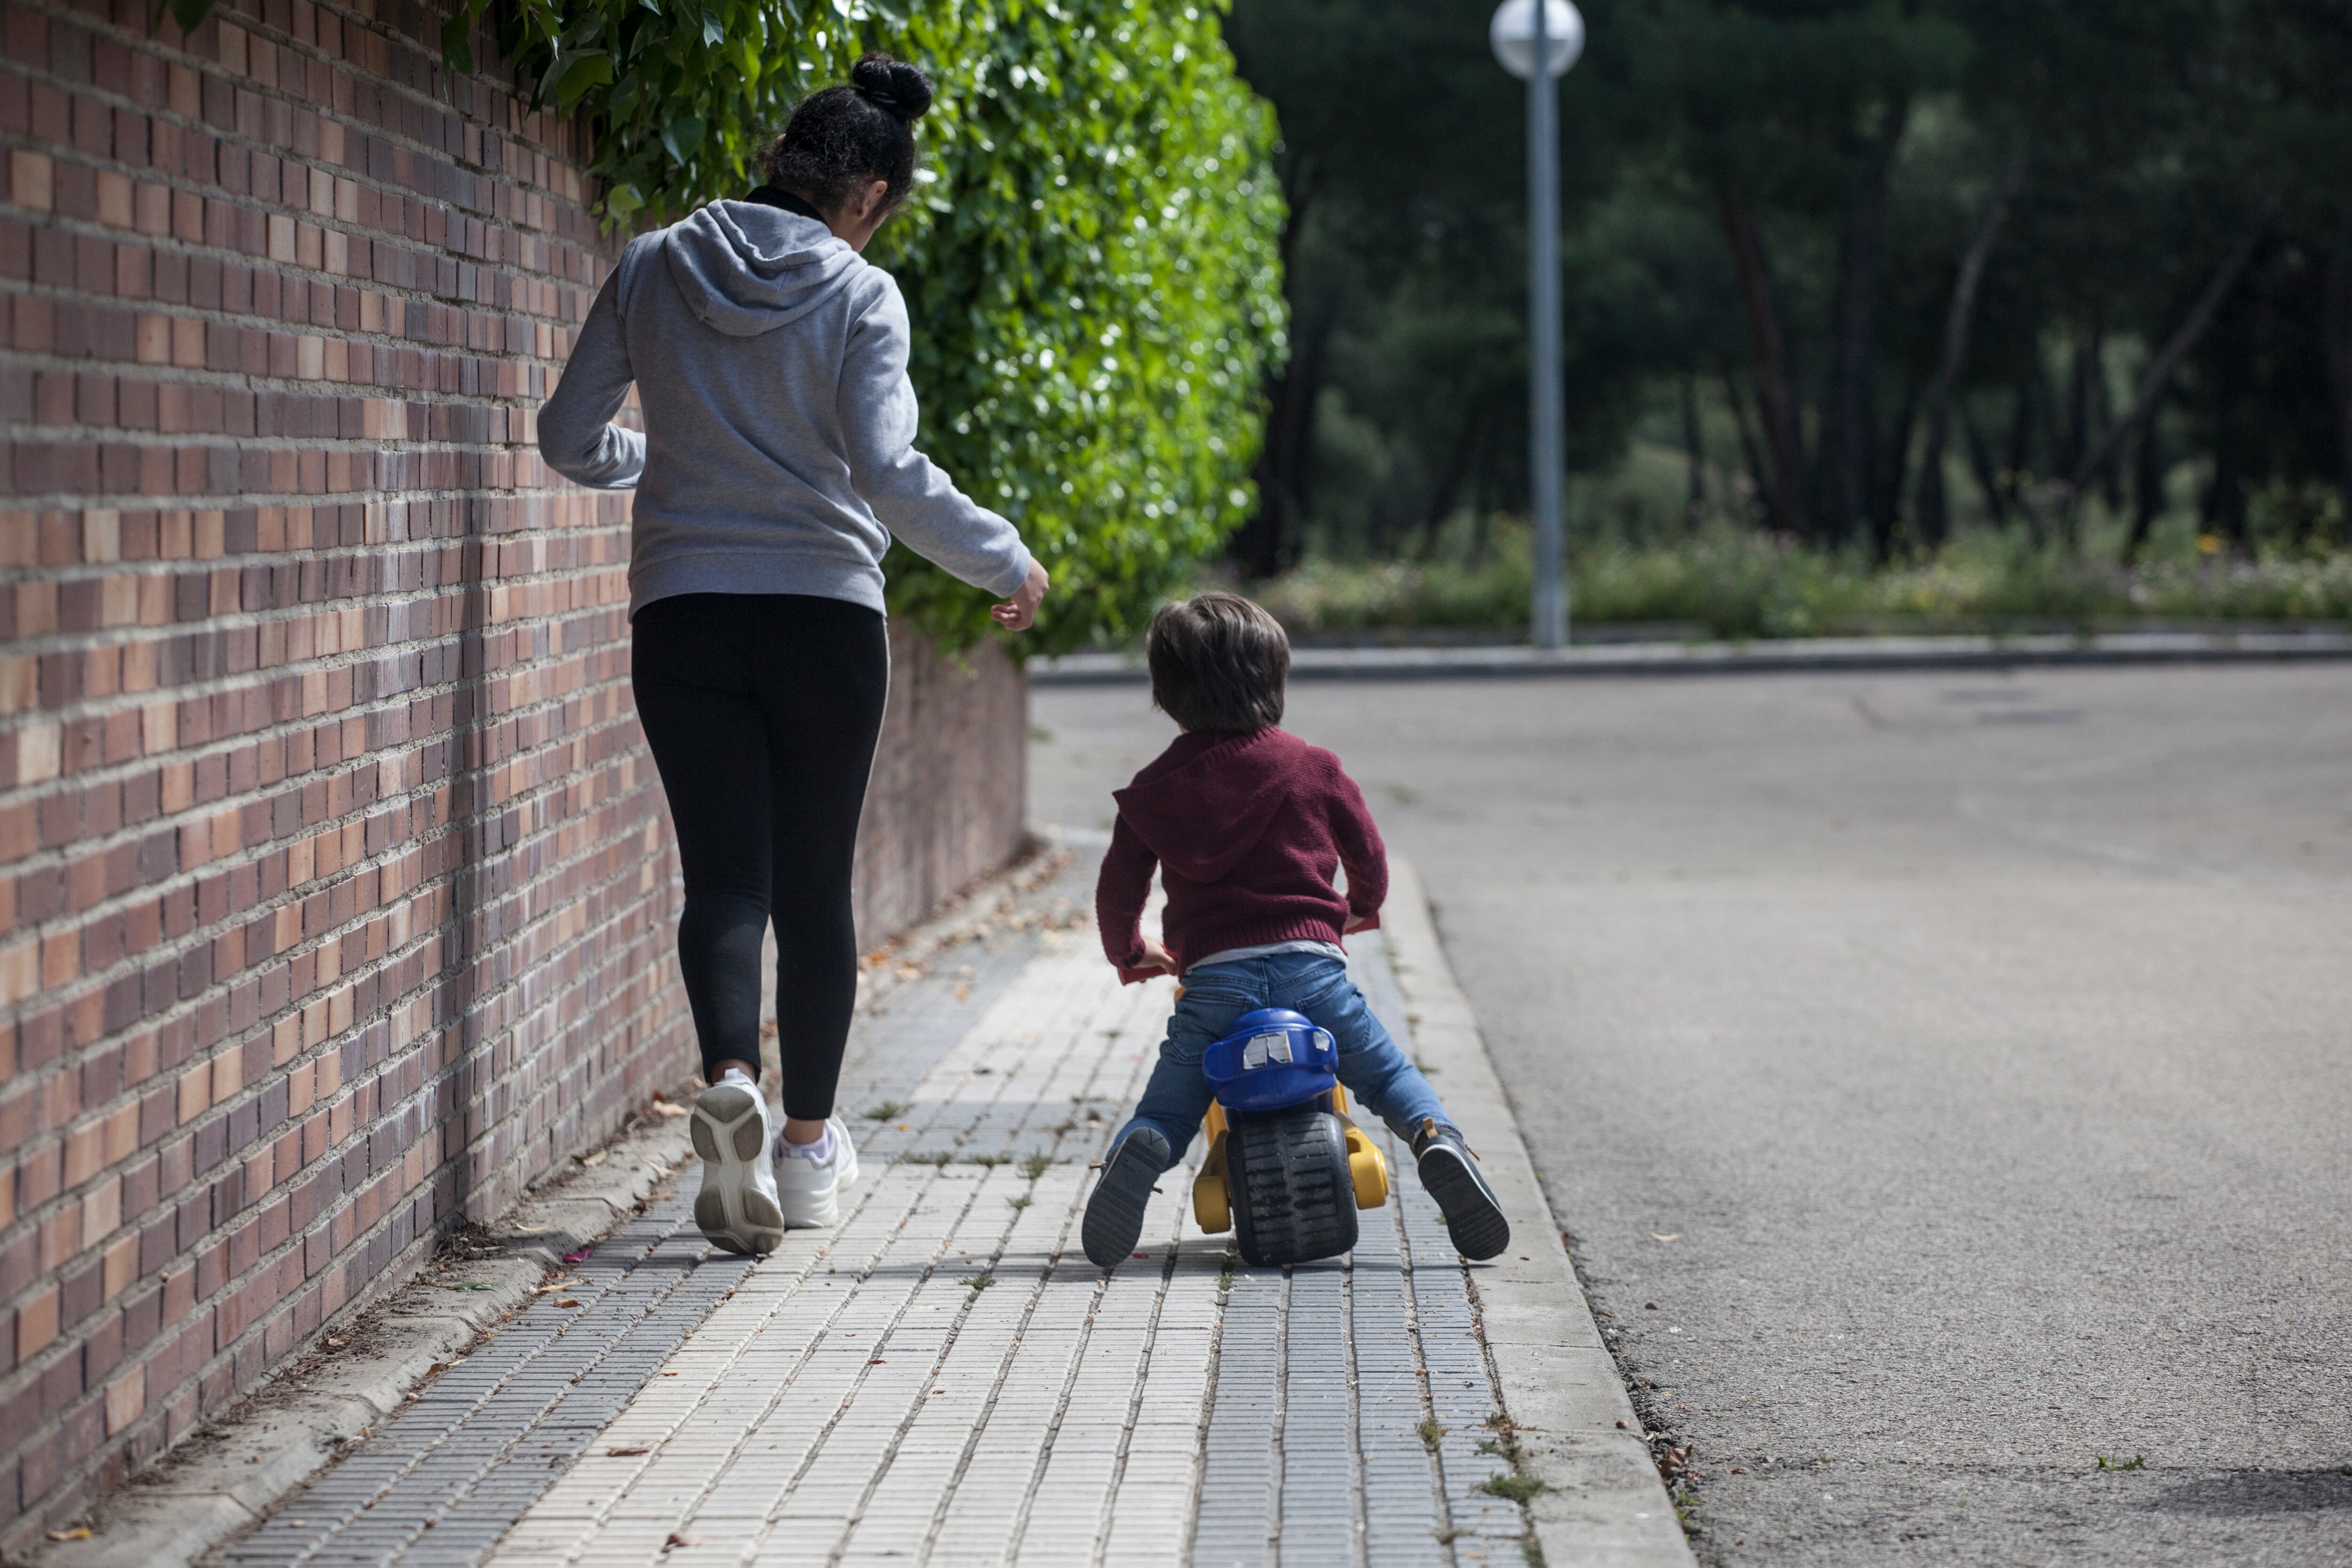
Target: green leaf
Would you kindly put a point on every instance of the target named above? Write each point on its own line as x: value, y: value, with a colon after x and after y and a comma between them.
x: 713, y: 34
x: 189, y: 13
x: 456, y: 41
x: 592, y: 68
x: 682, y: 137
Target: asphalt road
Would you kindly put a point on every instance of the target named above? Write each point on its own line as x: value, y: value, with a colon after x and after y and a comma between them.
x: 1947, y: 1080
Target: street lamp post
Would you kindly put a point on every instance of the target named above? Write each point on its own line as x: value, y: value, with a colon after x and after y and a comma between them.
x: 1524, y: 33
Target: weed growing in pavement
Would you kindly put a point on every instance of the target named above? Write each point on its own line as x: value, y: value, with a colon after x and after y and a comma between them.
x: 976, y: 1284
x: 1226, y: 1279
x: 889, y: 1110
x: 1517, y: 1487
x: 1521, y: 1483
x: 988, y: 1161
x: 940, y: 1159
x: 1531, y: 1548
x: 1024, y: 1201
x: 1431, y: 1433
x: 2137, y: 1462
x: 1036, y: 1166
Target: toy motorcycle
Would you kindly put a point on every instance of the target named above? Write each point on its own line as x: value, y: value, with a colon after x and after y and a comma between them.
x: 1287, y: 1169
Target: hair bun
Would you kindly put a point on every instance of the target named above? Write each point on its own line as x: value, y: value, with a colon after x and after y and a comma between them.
x: 894, y: 87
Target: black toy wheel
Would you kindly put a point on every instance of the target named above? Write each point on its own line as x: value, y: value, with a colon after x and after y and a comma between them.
x: 1293, y: 1198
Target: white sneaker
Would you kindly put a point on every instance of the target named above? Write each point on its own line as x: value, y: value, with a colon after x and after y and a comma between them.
x: 810, y: 1190
x: 737, y: 1207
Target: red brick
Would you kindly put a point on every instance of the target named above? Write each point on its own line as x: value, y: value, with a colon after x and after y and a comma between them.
x: 233, y: 773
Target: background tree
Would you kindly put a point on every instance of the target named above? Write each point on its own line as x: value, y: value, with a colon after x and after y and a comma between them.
x: 1855, y: 253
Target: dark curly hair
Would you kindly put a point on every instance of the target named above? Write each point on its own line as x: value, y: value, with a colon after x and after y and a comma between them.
x: 844, y: 136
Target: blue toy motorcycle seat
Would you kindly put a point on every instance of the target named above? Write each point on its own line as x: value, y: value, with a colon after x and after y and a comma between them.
x: 1274, y: 1058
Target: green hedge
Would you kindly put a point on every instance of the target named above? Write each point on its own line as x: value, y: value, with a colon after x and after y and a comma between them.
x: 1092, y: 263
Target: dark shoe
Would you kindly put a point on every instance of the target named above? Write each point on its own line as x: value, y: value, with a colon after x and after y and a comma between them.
x: 1114, y: 1213
x: 1474, y: 1214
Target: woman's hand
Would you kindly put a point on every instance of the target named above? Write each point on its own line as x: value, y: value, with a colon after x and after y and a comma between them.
x: 1015, y: 615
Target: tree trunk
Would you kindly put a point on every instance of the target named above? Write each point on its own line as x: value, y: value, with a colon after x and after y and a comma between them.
x: 2102, y: 411
x: 1694, y: 453
x: 1861, y: 251
x: 1981, y: 464
x: 1262, y: 546
x: 1887, y: 477
x: 1441, y: 498
x: 2340, y: 365
x: 1266, y: 543
x: 1775, y: 385
x: 2018, y: 465
x: 2147, y: 491
x: 2168, y: 359
x: 1934, y: 520
x: 1751, y: 456
x: 2077, y: 439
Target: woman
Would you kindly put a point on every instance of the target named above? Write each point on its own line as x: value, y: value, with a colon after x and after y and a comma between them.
x: 777, y: 462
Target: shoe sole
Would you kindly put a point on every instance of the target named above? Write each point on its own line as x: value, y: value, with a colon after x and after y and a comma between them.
x: 729, y: 1135
x: 1114, y: 1219
x: 1473, y: 1219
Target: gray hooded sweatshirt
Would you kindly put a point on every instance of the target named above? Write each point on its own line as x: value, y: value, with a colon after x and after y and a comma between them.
x: 778, y: 449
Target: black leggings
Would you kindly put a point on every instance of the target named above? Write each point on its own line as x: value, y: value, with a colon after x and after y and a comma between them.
x: 761, y: 710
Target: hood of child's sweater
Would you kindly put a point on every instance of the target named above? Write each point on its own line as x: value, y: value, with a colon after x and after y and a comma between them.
x: 1208, y: 799
x: 745, y: 268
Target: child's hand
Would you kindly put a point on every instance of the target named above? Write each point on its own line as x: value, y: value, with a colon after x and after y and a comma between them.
x: 1359, y: 922
x: 1157, y: 956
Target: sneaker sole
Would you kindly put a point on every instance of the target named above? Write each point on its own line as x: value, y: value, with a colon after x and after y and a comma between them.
x: 1473, y: 1219
x: 1114, y: 1222
x: 729, y: 1137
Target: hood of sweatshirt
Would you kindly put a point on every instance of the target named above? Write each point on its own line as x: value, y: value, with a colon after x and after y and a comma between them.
x: 1208, y: 799
x: 745, y: 268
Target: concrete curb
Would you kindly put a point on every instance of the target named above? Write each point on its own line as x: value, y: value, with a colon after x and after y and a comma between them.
x: 231, y: 1476
x: 1602, y: 1502
x: 1807, y: 656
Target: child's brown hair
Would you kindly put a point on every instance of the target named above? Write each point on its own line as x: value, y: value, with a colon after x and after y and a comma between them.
x: 1218, y: 662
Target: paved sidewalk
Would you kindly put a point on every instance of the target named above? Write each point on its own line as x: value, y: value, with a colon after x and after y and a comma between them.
x: 945, y: 1380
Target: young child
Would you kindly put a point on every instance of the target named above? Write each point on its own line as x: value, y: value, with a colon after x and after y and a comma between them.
x: 1246, y: 824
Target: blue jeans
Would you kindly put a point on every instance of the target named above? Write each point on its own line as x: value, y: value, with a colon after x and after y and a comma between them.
x: 1379, y: 1078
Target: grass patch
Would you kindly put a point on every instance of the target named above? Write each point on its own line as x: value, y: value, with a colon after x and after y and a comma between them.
x: 2137, y: 1462
x: 1516, y: 1485
x: 1024, y: 1201
x: 1432, y: 1434
x: 988, y: 1161
x: 940, y: 1159
x: 1035, y: 1165
x: 889, y: 1110
x: 1738, y: 584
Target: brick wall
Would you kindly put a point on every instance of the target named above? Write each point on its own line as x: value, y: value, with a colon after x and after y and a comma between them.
x: 335, y: 888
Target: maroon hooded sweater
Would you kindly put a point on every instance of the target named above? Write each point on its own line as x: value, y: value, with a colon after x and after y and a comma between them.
x: 1247, y: 827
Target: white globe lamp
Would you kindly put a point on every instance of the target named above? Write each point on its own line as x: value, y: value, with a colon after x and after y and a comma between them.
x: 1512, y: 34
